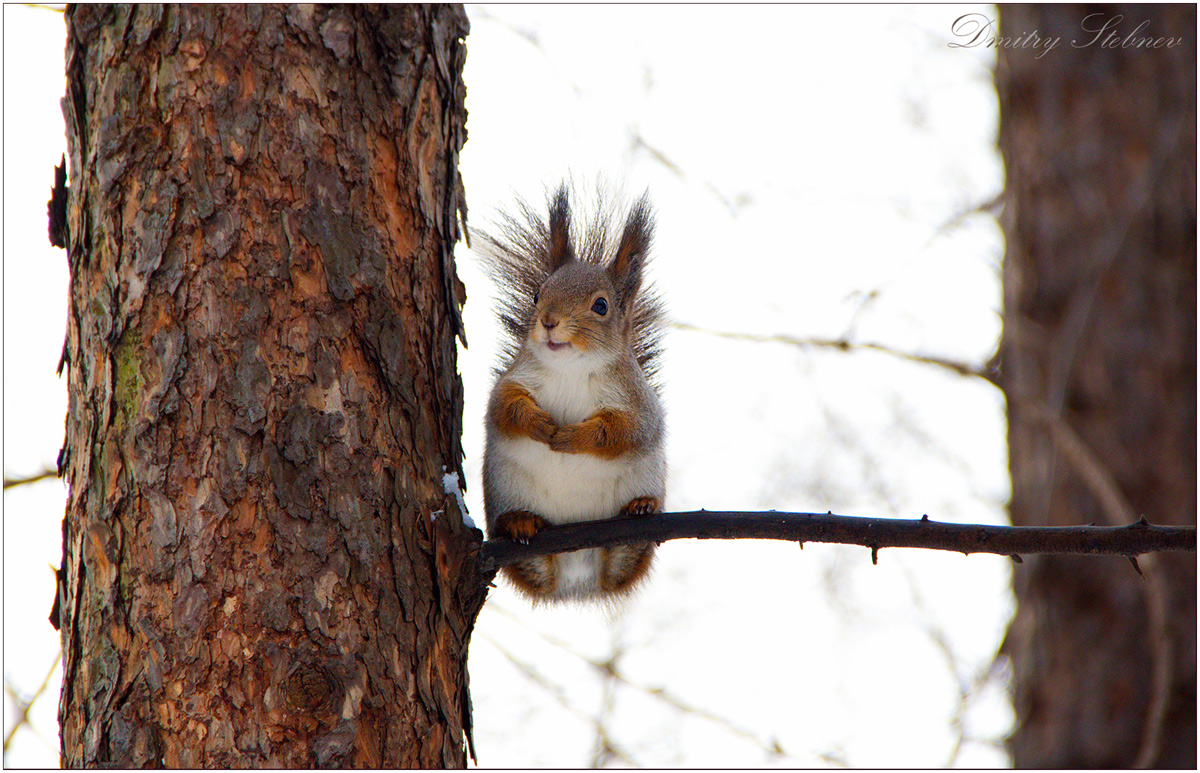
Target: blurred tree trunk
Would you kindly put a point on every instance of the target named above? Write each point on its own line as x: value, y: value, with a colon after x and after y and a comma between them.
x: 1099, y: 366
x: 261, y: 565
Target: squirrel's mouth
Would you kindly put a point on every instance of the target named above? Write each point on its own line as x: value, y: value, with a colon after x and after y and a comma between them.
x: 557, y: 347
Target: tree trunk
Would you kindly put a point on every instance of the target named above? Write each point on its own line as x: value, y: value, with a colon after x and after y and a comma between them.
x: 1099, y: 366
x: 262, y: 567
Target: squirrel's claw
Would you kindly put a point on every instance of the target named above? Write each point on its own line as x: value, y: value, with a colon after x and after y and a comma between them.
x: 642, y: 506
x: 520, y: 525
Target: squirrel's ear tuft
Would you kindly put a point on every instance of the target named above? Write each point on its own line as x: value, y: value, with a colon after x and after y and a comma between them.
x: 561, y: 250
x: 626, y: 268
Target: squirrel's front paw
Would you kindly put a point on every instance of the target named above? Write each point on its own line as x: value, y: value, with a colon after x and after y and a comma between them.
x: 568, y: 439
x: 608, y: 434
x: 642, y: 506
x: 519, y: 525
x: 542, y: 427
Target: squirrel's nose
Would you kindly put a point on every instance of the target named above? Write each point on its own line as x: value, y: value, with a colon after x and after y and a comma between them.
x: 549, y: 322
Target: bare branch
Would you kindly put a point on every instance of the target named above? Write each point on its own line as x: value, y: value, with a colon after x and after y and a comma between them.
x: 986, y: 373
x: 23, y: 706
x: 559, y: 694
x: 610, y: 670
x: 11, y: 482
x: 1117, y: 510
x: 873, y: 533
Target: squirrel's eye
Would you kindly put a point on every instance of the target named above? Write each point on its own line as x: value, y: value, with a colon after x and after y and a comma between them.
x: 536, y: 295
x: 600, y: 306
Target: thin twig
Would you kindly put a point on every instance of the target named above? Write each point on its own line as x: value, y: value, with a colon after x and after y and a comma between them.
x: 1162, y: 662
x: 842, y: 344
x: 639, y: 142
x: 604, y: 748
x: 559, y: 694
x: 1117, y: 510
x: 1096, y: 477
x: 23, y: 706
x: 969, y: 687
x: 1107, y: 251
x: 608, y: 670
x: 873, y: 533
x: 12, y: 482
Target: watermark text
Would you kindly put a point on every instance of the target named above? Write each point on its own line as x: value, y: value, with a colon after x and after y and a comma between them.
x: 974, y: 30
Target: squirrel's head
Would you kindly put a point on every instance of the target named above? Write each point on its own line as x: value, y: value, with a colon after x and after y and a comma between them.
x: 576, y: 283
x: 585, y: 310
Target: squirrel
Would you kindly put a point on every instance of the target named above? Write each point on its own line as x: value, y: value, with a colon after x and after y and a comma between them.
x: 575, y: 424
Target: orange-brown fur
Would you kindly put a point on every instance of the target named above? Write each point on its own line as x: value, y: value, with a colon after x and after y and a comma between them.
x: 642, y: 506
x: 534, y: 576
x: 607, y: 434
x: 552, y: 276
x: 520, y: 525
x: 515, y: 412
x: 625, y: 565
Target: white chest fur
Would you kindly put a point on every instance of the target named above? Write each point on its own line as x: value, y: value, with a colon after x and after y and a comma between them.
x: 562, y: 487
x: 569, y: 396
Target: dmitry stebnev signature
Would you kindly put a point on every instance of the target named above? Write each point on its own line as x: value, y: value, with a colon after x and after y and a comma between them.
x: 1097, y: 29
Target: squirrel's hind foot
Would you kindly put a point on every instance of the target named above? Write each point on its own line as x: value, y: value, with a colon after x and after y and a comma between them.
x: 641, y: 506
x: 519, y: 525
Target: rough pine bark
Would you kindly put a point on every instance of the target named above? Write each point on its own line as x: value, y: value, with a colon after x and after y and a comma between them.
x: 1099, y: 366
x: 261, y: 565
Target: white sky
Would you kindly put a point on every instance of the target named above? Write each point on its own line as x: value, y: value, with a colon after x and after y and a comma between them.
x: 816, y: 155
